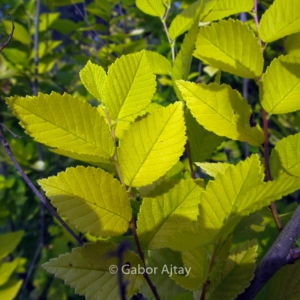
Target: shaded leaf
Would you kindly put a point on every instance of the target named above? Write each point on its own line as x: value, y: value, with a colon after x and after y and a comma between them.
x: 87, y: 270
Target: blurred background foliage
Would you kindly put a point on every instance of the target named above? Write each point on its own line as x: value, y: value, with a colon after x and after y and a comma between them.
x: 71, y: 32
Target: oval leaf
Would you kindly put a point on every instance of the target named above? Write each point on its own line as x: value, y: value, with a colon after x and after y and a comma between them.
x: 93, y: 78
x: 154, y: 8
x: 64, y: 122
x: 152, y: 146
x: 230, y: 46
x: 280, y: 20
x: 90, y: 199
x: 87, y: 269
x: 221, y: 109
x: 280, y: 87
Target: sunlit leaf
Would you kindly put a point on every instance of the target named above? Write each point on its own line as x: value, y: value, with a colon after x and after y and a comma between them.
x: 226, y: 107
x: 230, y: 46
x: 64, y: 122
x: 280, y: 87
x: 90, y: 199
x: 151, y: 146
x: 280, y: 20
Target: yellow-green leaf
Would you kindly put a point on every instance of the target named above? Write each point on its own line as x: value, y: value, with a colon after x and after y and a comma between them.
x: 221, y: 109
x: 197, y: 261
x: 234, y: 194
x: 237, y: 273
x: 162, y: 216
x: 163, y: 262
x: 182, y: 64
x: 90, y: 199
x: 159, y: 63
x: 20, y: 33
x: 184, y: 21
x: 129, y: 87
x: 230, y: 46
x: 6, y: 270
x: 213, y: 169
x: 285, y: 156
x: 154, y: 8
x: 87, y: 270
x: 151, y: 146
x: 94, y: 77
x: 280, y: 20
x: 292, y: 44
x: 9, y: 241
x: 225, y: 8
x: 280, y: 87
x: 64, y: 122
x: 10, y: 290
x: 201, y: 141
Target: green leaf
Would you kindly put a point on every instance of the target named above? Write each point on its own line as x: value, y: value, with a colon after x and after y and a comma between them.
x: 9, y: 241
x: 164, y: 215
x: 236, y: 273
x: 163, y: 261
x: 6, y: 270
x: 87, y: 270
x: 10, y: 290
x: 226, y: 8
x: 197, y: 261
x: 234, y: 194
x: 154, y: 8
x: 285, y: 156
x: 64, y: 122
x: 184, y: 21
x: 90, y: 199
x: 129, y: 87
x: 201, y: 141
x: 159, y: 64
x: 20, y: 33
x: 287, y: 277
x: 292, y: 44
x: 182, y: 63
x: 213, y: 169
x: 152, y: 146
x: 221, y: 109
x: 94, y: 77
x: 230, y: 46
x: 280, y: 20
x: 280, y: 87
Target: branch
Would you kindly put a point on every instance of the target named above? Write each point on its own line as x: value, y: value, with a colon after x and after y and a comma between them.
x: 280, y: 254
x: 11, y: 33
x: 35, y: 191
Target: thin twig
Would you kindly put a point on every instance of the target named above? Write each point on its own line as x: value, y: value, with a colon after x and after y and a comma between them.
x: 266, y: 136
x: 278, y: 256
x: 171, y: 42
x: 10, y: 35
x: 268, y: 171
x: 132, y: 223
x: 141, y: 254
x: 13, y: 134
x: 35, y: 191
x: 188, y: 152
